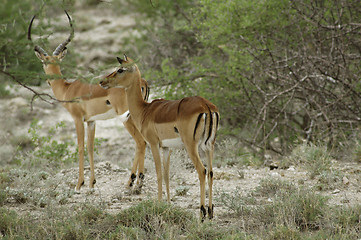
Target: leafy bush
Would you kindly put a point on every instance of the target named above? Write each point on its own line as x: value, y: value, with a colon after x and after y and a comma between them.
x: 48, y: 150
x: 279, y: 71
x: 317, y: 159
x: 18, y: 60
x: 277, y: 203
x: 154, y: 217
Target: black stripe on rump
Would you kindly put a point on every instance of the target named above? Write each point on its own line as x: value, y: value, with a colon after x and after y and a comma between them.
x: 146, y: 96
x: 210, y: 126
x: 217, y: 115
x: 197, y: 123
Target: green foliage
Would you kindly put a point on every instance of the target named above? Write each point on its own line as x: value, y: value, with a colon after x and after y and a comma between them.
x: 50, y: 149
x: 317, y: 159
x: 16, y: 51
x: 46, y: 150
x: 290, y: 207
x: 231, y: 153
x: 286, y: 211
x: 253, y: 60
x: 152, y: 217
x: 8, y: 221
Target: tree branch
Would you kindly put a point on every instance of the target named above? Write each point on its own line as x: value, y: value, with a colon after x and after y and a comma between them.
x: 36, y: 94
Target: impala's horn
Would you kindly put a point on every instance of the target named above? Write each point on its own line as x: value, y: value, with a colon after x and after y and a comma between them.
x: 125, y: 58
x: 62, y: 45
x: 36, y: 47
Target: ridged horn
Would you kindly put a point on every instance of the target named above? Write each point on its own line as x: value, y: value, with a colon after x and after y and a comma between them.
x: 36, y: 47
x: 62, y: 45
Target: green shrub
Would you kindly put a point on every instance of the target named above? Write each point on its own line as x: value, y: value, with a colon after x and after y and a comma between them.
x: 329, y: 180
x: 281, y: 232
x: 153, y: 216
x: 317, y: 159
x: 8, y: 221
x: 277, y: 202
x: 45, y: 149
x: 231, y: 153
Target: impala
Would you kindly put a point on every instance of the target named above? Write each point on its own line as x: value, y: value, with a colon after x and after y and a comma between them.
x: 88, y: 103
x: 191, y: 122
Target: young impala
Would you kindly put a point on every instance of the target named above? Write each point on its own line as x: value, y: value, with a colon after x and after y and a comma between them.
x: 88, y: 103
x: 190, y: 122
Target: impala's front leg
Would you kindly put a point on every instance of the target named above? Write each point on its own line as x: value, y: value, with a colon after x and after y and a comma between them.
x: 158, y: 167
x: 138, y: 162
x: 166, y: 161
x: 79, y: 126
x: 90, y: 146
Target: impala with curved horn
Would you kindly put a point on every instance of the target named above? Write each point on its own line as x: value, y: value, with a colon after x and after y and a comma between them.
x: 191, y: 122
x: 88, y: 103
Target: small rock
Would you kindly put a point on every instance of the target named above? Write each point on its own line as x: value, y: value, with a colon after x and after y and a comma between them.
x: 345, y: 180
x: 275, y: 174
x: 336, y: 191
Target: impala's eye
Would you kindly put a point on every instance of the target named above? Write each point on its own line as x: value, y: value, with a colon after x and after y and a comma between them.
x: 120, y: 70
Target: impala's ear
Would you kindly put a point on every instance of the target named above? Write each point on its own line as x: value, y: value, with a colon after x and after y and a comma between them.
x: 62, y: 54
x: 39, y: 55
x: 120, y: 60
x: 125, y: 58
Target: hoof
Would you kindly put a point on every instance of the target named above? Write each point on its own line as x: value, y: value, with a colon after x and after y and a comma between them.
x: 210, y: 211
x: 131, y: 180
x: 92, y: 183
x: 77, y: 188
x: 76, y: 191
x: 137, y: 191
x: 203, y: 213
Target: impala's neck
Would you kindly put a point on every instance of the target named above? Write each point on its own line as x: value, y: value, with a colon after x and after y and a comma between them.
x: 58, y: 85
x: 136, y: 102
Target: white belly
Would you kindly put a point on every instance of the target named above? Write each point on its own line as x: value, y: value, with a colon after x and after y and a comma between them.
x: 104, y: 116
x: 172, y: 143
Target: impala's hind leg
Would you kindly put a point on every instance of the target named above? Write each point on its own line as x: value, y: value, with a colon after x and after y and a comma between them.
x: 209, y: 155
x: 138, y: 163
x: 201, y: 170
